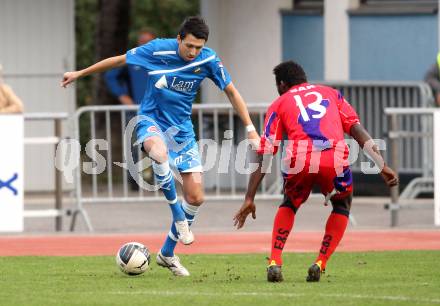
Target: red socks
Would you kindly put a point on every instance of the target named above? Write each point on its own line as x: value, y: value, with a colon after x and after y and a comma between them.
x: 282, y: 226
x: 334, y: 231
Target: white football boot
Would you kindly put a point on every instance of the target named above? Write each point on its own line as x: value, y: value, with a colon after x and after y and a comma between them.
x: 183, y: 231
x: 172, y: 263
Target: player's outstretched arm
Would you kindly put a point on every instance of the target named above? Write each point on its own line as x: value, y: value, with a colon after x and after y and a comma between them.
x: 248, y: 204
x: 241, y: 108
x: 364, y: 139
x: 106, y: 64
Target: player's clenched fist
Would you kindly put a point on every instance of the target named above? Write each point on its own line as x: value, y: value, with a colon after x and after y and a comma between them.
x: 69, y: 77
x: 389, y: 176
x: 254, y: 139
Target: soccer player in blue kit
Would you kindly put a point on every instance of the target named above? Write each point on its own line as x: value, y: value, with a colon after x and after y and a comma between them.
x: 176, y: 67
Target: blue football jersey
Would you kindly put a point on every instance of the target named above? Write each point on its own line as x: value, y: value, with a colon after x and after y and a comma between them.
x: 172, y: 82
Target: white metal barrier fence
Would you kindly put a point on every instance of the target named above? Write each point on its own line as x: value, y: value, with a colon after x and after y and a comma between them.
x: 398, y: 132
x: 216, y: 119
x: 57, y: 118
x: 368, y: 98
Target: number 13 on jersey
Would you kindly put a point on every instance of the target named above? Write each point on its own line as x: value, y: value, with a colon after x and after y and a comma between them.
x: 314, y: 109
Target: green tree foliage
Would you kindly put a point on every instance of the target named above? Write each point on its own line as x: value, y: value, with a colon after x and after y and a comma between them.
x: 163, y: 16
x: 85, y: 23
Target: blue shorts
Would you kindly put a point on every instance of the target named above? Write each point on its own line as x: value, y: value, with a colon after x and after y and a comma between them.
x: 184, y: 156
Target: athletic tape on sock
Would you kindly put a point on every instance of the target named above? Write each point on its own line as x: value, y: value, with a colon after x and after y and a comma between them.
x: 173, y: 201
x: 161, y: 169
x: 189, y: 209
x: 172, y: 237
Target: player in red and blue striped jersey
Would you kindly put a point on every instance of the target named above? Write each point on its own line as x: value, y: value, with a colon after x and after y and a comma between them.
x: 314, y: 118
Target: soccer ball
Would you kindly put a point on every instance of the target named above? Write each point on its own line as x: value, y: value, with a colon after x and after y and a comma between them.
x: 133, y: 258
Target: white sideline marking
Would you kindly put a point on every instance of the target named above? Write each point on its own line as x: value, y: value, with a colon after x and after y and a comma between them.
x: 275, y: 294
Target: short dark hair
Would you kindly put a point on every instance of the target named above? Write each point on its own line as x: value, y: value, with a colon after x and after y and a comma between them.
x: 196, y: 26
x: 290, y: 73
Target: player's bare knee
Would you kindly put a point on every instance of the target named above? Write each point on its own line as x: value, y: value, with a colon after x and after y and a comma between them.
x: 342, y: 206
x: 156, y: 149
x: 195, y: 199
x: 159, y: 156
x: 288, y: 203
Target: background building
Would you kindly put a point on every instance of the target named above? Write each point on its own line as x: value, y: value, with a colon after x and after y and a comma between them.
x: 37, y: 46
x: 333, y: 40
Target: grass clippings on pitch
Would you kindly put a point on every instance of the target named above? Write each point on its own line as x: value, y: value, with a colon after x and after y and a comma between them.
x: 373, y: 278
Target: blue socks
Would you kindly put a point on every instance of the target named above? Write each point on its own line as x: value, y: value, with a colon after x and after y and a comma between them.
x: 165, y: 179
x: 171, y: 241
x: 176, y: 210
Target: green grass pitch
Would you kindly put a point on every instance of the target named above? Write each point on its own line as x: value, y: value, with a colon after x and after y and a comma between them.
x: 373, y: 278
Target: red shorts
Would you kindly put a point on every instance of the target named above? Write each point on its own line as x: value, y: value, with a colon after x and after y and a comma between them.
x: 325, y: 174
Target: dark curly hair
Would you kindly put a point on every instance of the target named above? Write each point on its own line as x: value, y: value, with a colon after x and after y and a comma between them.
x: 196, y: 26
x: 290, y: 73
